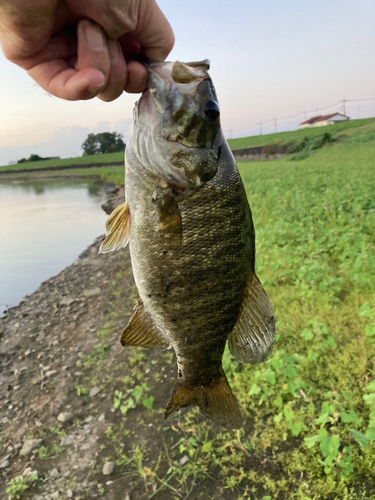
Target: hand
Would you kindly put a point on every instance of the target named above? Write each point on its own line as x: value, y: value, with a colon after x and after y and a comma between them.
x: 79, y: 49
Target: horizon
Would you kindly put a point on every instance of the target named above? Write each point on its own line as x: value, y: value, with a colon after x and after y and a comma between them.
x: 268, y: 62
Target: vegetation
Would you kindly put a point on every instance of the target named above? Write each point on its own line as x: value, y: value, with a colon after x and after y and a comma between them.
x: 17, y: 486
x: 65, y: 162
x: 309, y: 410
x: 33, y: 157
x: 103, y: 143
x: 345, y: 128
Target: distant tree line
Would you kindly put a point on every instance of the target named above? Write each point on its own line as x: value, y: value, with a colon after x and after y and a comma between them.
x: 105, y: 142
x: 36, y: 158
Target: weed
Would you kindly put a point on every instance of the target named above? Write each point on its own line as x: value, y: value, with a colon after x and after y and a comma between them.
x: 17, y: 486
x: 46, y: 452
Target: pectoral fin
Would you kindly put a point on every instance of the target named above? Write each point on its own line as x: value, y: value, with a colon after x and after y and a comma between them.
x: 170, y: 223
x: 141, y: 330
x: 252, y: 335
x: 118, y: 229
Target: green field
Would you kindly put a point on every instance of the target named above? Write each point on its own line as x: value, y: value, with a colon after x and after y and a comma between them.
x: 65, y: 162
x: 309, y: 410
x: 351, y: 127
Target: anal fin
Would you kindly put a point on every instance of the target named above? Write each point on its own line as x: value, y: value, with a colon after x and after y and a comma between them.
x: 253, y: 333
x: 215, y: 401
x: 118, y: 229
x: 141, y: 330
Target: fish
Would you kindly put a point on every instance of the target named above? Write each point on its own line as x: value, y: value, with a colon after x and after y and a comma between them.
x: 191, y: 238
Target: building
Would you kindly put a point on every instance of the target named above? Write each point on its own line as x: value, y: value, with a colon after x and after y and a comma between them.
x: 322, y: 120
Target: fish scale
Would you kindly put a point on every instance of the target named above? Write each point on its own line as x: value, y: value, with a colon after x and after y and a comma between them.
x: 192, y: 242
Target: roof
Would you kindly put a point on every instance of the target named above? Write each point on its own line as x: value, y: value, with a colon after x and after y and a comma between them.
x: 321, y: 118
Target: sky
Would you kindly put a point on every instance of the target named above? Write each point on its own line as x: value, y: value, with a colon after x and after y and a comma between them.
x: 269, y: 59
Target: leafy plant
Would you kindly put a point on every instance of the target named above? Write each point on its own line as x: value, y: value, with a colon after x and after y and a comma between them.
x: 17, y: 486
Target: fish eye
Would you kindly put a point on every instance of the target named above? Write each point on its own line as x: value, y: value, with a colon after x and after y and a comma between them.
x: 211, y: 110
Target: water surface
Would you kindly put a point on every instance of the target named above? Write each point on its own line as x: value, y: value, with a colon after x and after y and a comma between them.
x: 44, y: 226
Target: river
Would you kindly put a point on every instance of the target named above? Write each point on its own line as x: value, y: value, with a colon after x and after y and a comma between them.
x: 44, y: 226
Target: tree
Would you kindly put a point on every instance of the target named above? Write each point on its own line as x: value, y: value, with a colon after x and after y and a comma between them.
x: 106, y: 142
x: 32, y: 157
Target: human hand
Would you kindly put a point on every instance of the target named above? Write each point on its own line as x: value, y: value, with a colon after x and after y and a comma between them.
x: 79, y: 49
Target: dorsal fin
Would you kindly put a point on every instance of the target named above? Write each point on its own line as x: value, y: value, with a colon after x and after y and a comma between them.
x: 253, y: 333
x: 141, y: 330
x: 118, y: 229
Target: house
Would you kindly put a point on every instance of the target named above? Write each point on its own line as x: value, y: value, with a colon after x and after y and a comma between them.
x: 322, y: 120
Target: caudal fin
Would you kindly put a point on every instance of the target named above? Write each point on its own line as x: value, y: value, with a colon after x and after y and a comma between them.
x: 215, y: 401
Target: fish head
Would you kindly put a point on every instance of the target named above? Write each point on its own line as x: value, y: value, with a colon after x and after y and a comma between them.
x: 177, y: 124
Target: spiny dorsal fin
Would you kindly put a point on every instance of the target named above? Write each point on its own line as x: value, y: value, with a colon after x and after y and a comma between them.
x: 252, y: 335
x: 118, y: 229
x: 215, y: 401
x: 141, y: 330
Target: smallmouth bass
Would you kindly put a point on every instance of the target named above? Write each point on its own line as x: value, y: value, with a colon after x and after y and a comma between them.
x: 191, y: 239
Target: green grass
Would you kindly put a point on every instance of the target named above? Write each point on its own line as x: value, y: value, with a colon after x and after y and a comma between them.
x: 65, y: 162
x: 309, y: 410
x: 344, y: 128
x: 107, y: 174
x: 311, y: 406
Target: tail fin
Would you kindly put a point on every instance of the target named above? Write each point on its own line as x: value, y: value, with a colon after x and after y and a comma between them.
x: 215, y: 401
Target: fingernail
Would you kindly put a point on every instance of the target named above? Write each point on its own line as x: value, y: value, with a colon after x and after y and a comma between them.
x: 94, y: 35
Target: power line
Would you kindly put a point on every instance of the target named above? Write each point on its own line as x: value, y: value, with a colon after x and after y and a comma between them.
x: 357, y: 100
x: 292, y: 117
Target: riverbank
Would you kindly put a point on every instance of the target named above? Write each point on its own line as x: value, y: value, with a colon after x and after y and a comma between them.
x: 43, y: 340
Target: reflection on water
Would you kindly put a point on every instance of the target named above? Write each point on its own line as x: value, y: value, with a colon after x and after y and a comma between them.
x: 44, y: 226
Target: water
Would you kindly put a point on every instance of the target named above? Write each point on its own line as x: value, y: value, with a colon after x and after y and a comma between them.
x: 44, y: 226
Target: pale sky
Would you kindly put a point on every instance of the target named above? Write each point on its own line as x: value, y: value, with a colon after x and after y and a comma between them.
x: 268, y: 59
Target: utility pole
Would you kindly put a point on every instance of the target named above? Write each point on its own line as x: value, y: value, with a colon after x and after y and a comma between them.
x: 275, y: 125
x: 305, y: 114
x: 343, y: 105
x: 261, y: 131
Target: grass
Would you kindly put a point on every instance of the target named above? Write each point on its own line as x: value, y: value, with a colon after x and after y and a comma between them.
x: 107, y: 174
x: 344, y: 128
x: 65, y: 162
x: 309, y: 410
